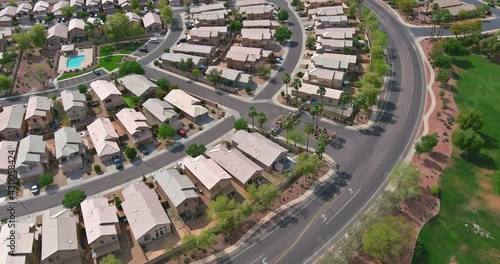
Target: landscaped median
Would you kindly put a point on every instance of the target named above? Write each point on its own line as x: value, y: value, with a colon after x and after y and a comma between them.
x: 109, y: 63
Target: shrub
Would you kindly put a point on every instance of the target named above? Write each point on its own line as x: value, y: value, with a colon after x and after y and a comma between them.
x: 434, y: 190
x: 441, y: 93
x: 191, y: 125
x: 167, y: 50
x: 300, y: 74
x: 282, y: 93
x: 193, y: 256
x: 156, y: 62
x: 187, y: 260
x: 97, y: 168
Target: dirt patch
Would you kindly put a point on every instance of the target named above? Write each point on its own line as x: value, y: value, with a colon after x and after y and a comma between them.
x: 453, y: 260
x: 491, y: 200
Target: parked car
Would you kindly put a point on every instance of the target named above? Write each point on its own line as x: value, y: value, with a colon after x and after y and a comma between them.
x: 182, y: 132
x: 183, y: 40
x: 154, y: 40
x: 95, y: 104
x: 118, y: 162
x: 35, y: 188
x: 302, y: 14
x: 144, y: 49
x: 96, y: 72
x: 309, y: 28
x: 143, y: 149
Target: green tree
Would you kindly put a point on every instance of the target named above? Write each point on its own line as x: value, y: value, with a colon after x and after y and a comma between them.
x: 426, y: 144
x: 241, y: 124
x: 387, y: 238
x: 345, y: 98
x: 82, y: 88
x: 166, y: 132
x: 46, y: 179
x: 12, y: 3
x: 315, y: 111
x: 163, y: 83
x: 214, y: 76
x: 221, y: 210
x: 67, y: 11
x: 5, y: 82
x: 110, y: 259
x: 282, y: 34
x: 37, y: 34
x: 306, y: 164
x: 245, y: 209
x: 235, y: 26
x: 262, y: 70
x: 117, y: 27
x: 296, y: 85
x: 405, y: 5
x: 297, y: 136
x: 263, y: 196
x: 442, y: 62
x: 308, y: 130
x: 289, y: 123
x: 160, y: 94
x: 310, y: 42
x: 252, y: 113
x: 287, y: 80
x: 189, y: 240
x: 206, y: 239
x: 282, y: 15
x: 73, y: 198
x: 195, y: 150
x: 135, y: 4
x: 405, y: 178
x: 130, y: 67
x: 130, y: 153
x: 443, y: 76
x: 166, y: 13
x: 97, y: 168
x: 261, y: 119
x: 196, y: 73
x: 23, y: 40
x: 468, y: 141
x: 470, y: 118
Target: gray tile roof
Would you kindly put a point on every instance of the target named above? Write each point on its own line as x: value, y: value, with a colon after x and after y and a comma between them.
x: 67, y: 141
x: 12, y: 117
x: 30, y: 149
x: 177, y: 187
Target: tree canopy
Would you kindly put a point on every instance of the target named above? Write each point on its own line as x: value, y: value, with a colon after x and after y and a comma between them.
x: 46, y: 179
x: 130, y: 67
x: 23, y: 40
x: 195, y: 150
x: 405, y: 178
x: 387, y: 238
x: 214, y: 76
x: 470, y: 118
x: 426, y: 144
x: 282, y: 15
x: 235, y: 26
x: 73, y: 198
x: 130, y: 153
x: 38, y: 37
x: 282, y: 34
x: 263, y: 196
x: 241, y: 124
x: 163, y: 83
x: 110, y: 259
x: 166, y: 131
x: 296, y: 136
x: 5, y: 82
x: 468, y: 141
x: 117, y: 27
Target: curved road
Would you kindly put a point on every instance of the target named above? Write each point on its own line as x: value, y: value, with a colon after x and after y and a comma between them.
x: 367, y: 156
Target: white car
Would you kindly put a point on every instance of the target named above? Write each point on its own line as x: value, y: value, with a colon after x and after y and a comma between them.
x: 34, y: 188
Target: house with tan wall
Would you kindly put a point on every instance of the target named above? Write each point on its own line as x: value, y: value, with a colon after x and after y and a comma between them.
x: 208, y: 176
x: 135, y: 125
x: 210, y: 36
x: 326, y: 11
x: 159, y: 112
x: 257, y: 12
x: 330, y: 21
x: 32, y: 158
x: 244, y: 58
x: 332, y: 45
x: 41, y: 10
x: 189, y: 106
x: 328, y: 78
x: 108, y: 94
x: 76, y: 28
x: 138, y: 85
x: 57, y: 34
x: 204, y: 51
x: 264, y: 23
x: 7, y: 16
x: 209, y: 20
x: 39, y: 114
x: 79, y: 5
x: 75, y: 105
x: 27, y: 241
x: 104, y: 138
x: 152, y: 22
x: 309, y: 92
x: 69, y: 149
x: 257, y: 38
x: 12, y: 123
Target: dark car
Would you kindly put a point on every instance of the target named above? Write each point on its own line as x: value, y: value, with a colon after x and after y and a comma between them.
x: 95, y: 104
x: 96, y: 72
x: 143, y: 149
x: 118, y: 163
x: 491, y: 4
x: 183, y: 40
x: 144, y: 49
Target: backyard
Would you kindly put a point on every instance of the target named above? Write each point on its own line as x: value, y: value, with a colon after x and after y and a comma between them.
x: 123, y: 48
x: 466, y: 228
x: 109, y: 63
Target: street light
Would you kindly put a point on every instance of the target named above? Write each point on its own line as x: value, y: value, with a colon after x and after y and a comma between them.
x: 220, y: 93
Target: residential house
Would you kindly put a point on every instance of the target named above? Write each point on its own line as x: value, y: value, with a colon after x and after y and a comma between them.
x: 56, y: 8
x: 189, y: 106
x: 259, y: 149
x: 32, y: 158
x: 454, y: 6
x: 335, y: 33
x: 152, y: 22
x: 146, y: 217
x: 76, y: 28
x: 174, y: 59
x: 209, y: 177
x: 12, y: 123
x: 69, y: 149
x: 26, y: 239
x: 134, y: 18
x: 333, y: 45
x: 136, y: 126
x: 264, y: 23
x: 326, y: 11
x: 138, y: 85
x: 7, y: 156
x: 311, y: 4
x: 41, y: 10
x: 60, y: 237
x: 257, y: 12
x: 205, y: 8
x: 75, y: 105
x: 179, y: 192
x: 160, y: 112
x: 233, y: 78
x: 195, y: 50
x: 77, y: 4
x: 309, y: 92
x: 7, y: 16
x: 238, y: 165
x: 245, y: 3
x: 210, y: 36
x: 108, y: 6
x: 107, y: 93
x: 39, y: 113
x: 244, y: 58
x: 101, y: 226
x: 330, y: 21
x: 211, y: 19
x: 23, y: 11
x: 339, y: 62
x: 57, y: 34
x: 104, y: 138
x: 257, y: 38
x: 92, y: 5
x: 125, y: 5
x: 328, y: 78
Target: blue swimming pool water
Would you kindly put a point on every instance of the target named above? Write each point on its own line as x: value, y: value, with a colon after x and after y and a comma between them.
x: 75, y: 61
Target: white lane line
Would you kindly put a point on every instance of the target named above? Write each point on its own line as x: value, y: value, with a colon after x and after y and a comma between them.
x: 342, y: 207
x: 257, y: 259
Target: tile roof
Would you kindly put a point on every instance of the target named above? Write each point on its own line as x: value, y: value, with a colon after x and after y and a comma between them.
x: 244, y: 54
x: 177, y: 187
x: 207, y: 171
x: 137, y: 84
x: 234, y: 162
x: 177, y: 57
x: 228, y: 74
x: 204, y: 8
x: 92, y: 2
x: 67, y: 142
x: 58, y: 30
x: 104, y: 89
x: 241, y: 3
x: 41, y: 6
x: 9, y: 11
x: 186, y: 103
x: 132, y: 120
x: 99, y: 218
x: 133, y: 17
x: 327, y: 11
x: 333, y: 61
x: 311, y: 89
x: 57, y: 6
x: 150, y: 19
x: 103, y: 136
x: 160, y: 109
x: 260, y: 23
x: 24, y: 240
x: 12, y: 117
x: 326, y: 74
x: 38, y: 106
x: 76, y: 23
x: 77, y: 2
x: 336, y: 33
x: 72, y: 99
x: 256, y: 33
x: 258, y: 146
x: 193, y: 48
x: 31, y: 148
x: 59, y: 232
x: 24, y: 7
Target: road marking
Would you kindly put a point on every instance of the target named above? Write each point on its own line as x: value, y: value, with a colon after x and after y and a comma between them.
x: 324, y: 217
x: 264, y: 260
x: 257, y: 259
x: 350, y: 190
x: 342, y: 207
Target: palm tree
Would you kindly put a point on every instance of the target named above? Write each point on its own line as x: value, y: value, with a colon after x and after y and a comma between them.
x: 296, y: 84
x: 288, y: 124
x: 345, y: 98
x: 252, y: 113
x: 287, y: 79
x: 308, y: 129
x: 261, y: 119
x: 321, y: 91
x: 316, y: 109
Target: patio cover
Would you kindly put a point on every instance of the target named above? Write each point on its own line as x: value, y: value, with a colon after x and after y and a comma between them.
x: 69, y: 47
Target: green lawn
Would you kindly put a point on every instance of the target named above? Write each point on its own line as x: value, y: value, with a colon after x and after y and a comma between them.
x: 109, y: 63
x: 129, y: 101
x: 446, y: 238
x: 125, y: 48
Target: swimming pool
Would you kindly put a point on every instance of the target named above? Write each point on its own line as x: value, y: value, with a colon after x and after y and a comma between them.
x: 75, y: 61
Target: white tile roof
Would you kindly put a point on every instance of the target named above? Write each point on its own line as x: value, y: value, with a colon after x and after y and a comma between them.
x: 38, y: 106
x: 333, y: 61
x: 193, y: 48
x: 132, y: 120
x: 241, y: 3
x: 137, y: 84
x: 57, y: 6
x: 205, y: 8
x: 177, y: 57
x: 12, y: 117
x: 143, y: 209
x: 104, y: 89
x: 336, y: 33
x: 76, y: 23
x: 186, y: 103
x: 24, y: 7
x: 228, y: 74
x: 244, y: 54
x: 72, y: 99
x: 311, y: 89
x: 31, y: 148
x: 99, y: 218
x: 258, y: 146
x: 104, y: 137
x: 256, y: 33
x: 234, y: 162
x: 207, y: 171
x: 23, y: 240
x: 177, y: 187
x: 327, y: 11
x: 325, y: 74
x: 58, y: 30
x: 160, y: 109
x: 260, y: 23
x: 77, y: 2
x: 9, y: 11
x: 41, y: 6
x: 67, y: 142
x: 59, y: 232
x: 150, y: 19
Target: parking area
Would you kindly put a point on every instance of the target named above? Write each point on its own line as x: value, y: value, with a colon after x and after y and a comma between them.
x: 147, y: 48
x: 90, y: 76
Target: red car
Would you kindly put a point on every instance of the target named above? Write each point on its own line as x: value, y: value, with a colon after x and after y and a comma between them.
x: 181, y: 132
